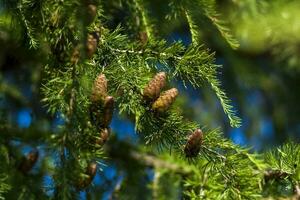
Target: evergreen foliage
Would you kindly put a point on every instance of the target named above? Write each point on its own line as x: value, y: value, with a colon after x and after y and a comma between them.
x: 64, y: 50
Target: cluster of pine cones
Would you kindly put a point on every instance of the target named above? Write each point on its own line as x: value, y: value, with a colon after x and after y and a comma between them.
x: 103, y: 105
x: 99, y: 92
x: 102, y: 108
x: 101, y: 111
x: 162, y: 101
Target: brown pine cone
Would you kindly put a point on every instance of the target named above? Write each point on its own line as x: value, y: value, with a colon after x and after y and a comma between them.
x: 75, y: 56
x: 28, y: 162
x: 90, y: 172
x: 91, y: 13
x: 99, y: 90
x: 91, y: 45
x: 143, y: 37
x: 108, y: 109
x: 165, y: 100
x: 193, y: 145
x: 104, y: 136
x: 155, y: 85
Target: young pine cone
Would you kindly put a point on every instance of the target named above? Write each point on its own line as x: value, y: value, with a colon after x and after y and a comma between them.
x: 143, y: 37
x: 99, y: 90
x: 193, y: 145
x: 155, y: 85
x: 165, y: 100
x: 90, y: 172
x: 91, y: 45
x: 75, y: 56
x: 91, y: 13
x: 28, y: 162
x: 108, y: 109
x: 104, y: 136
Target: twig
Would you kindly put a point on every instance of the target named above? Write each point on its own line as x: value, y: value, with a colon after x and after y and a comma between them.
x: 142, y: 52
x: 214, y: 152
x: 158, y: 163
x: 275, y: 174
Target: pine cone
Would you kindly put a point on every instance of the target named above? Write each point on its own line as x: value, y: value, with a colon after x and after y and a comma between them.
x: 165, y: 100
x: 193, y: 144
x: 28, y: 162
x: 75, y: 56
x: 104, y: 135
x: 91, y: 13
x: 153, y: 88
x: 99, y: 91
x: 143, y: 37
x: 91, y: 45
x: 108, y: 110
x: 90, y: 172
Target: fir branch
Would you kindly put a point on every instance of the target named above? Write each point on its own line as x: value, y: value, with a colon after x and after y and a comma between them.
x: 4, y: 187
x: 275, y: 174
x: 194, y: 29
x: 211, y: 78
x: 282, y: 168
x: 158, y: 163
x: 54, y: 90
x: 196, y: 66
x: 143, y: 52
x: 286, y: 158
x: 147, y: 24
x: 213, y: 16
x: 233, y: 166
x: 29, y: 30
x: 235, y: 121
x: 221, y: 170
x: 196, y: 20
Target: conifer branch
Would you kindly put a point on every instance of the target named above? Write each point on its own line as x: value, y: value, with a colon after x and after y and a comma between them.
x: 153, y: 161
x: 4, y: 187
x: 140, y: 5
x: 194, y: 29
x: 143, y: 52
x: 213, y: 16
x: 196, y: 66
x: 140, y: 77
x: 29, y: 30
x: 235, y: 121
x: 212, y: 79
x: 208, y: 16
